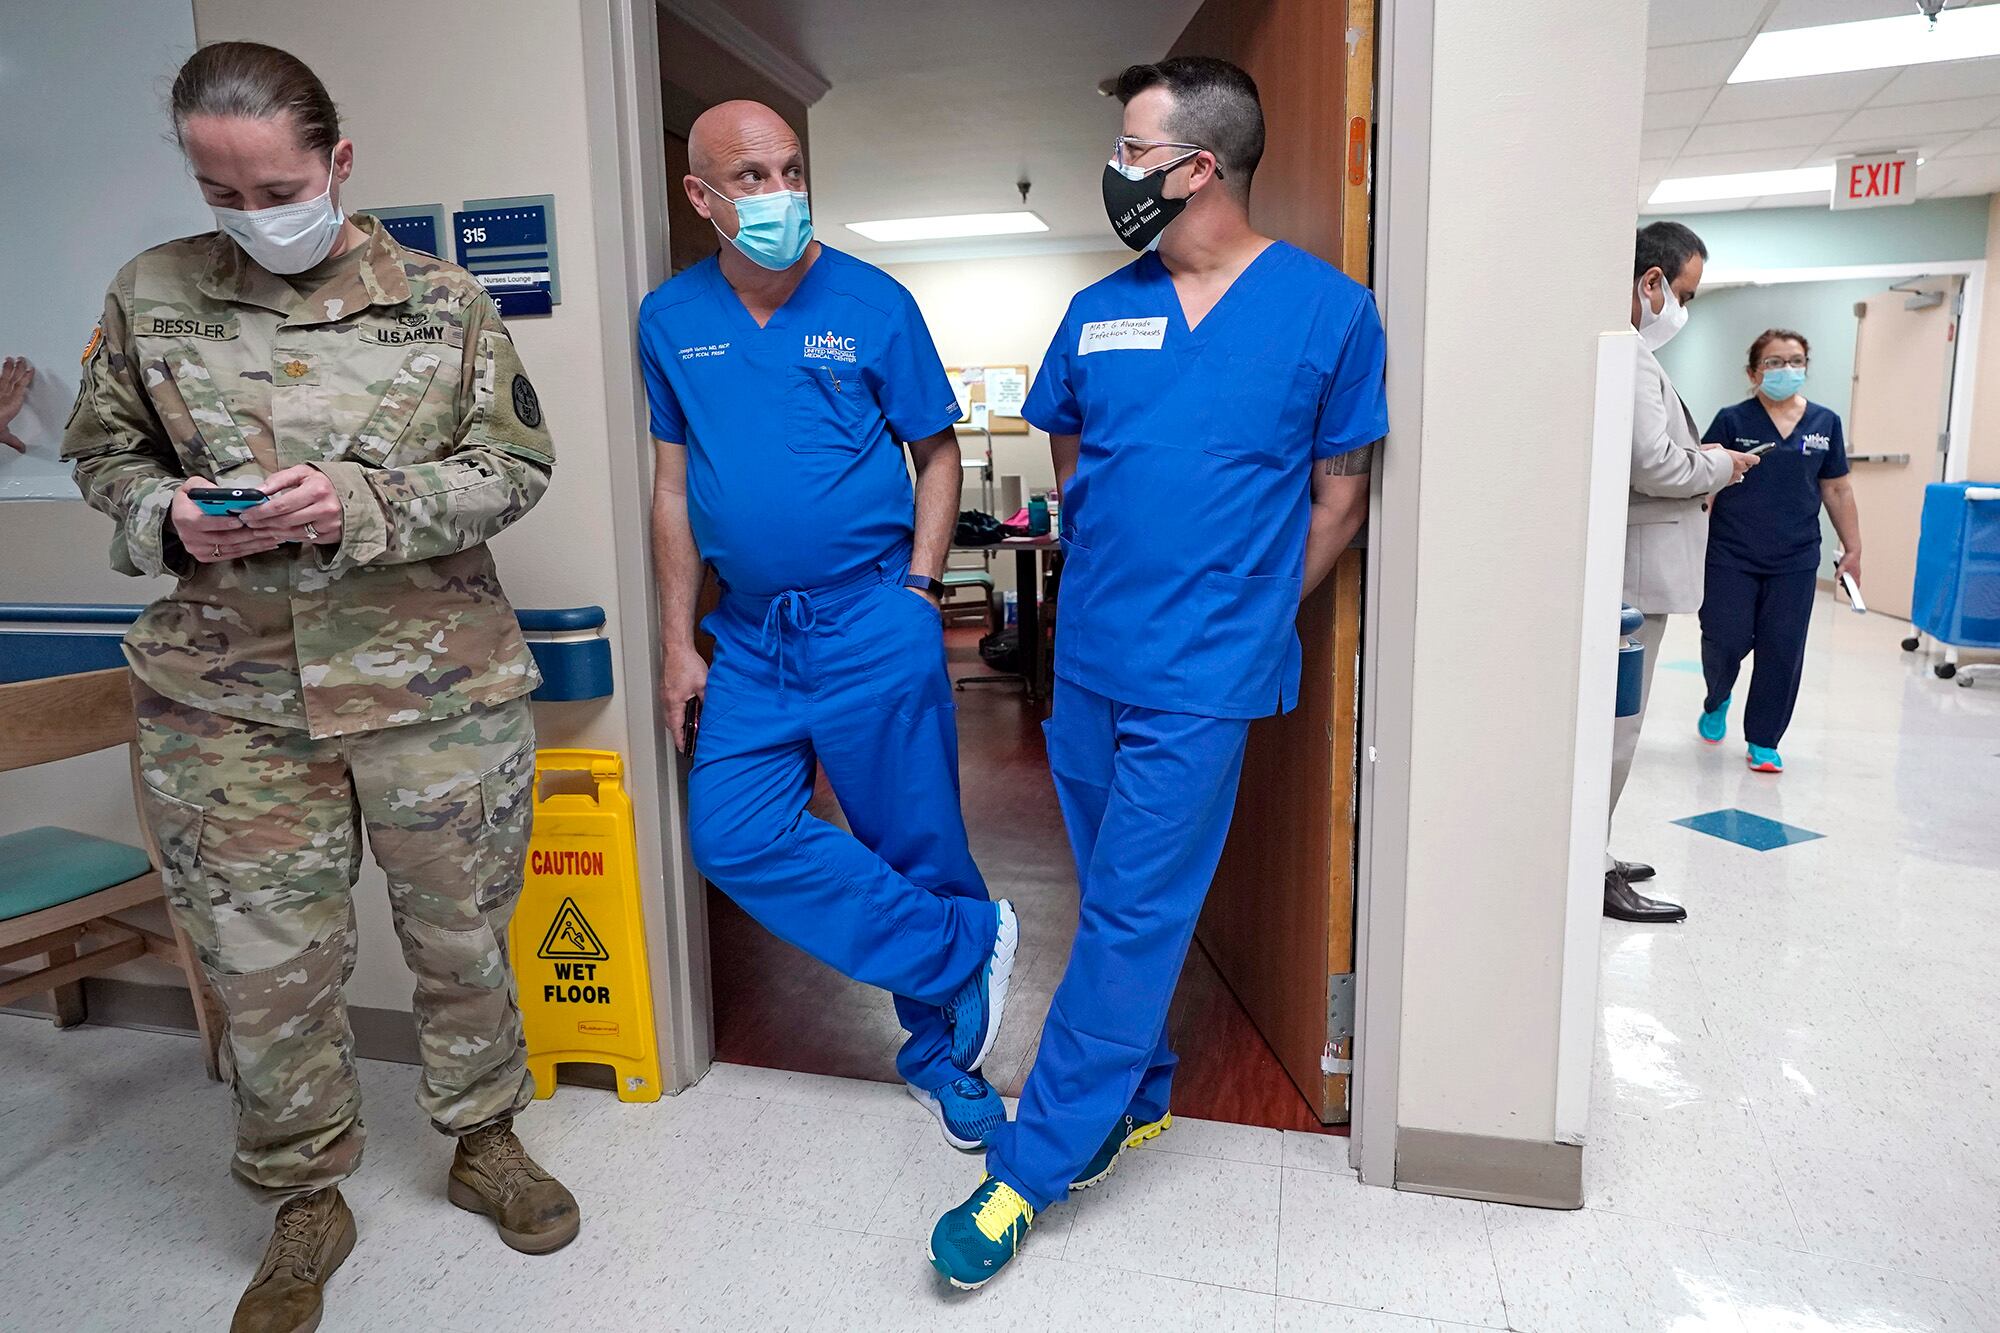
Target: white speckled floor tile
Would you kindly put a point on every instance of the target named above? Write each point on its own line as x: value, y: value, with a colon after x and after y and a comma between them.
x: 1700, y: 1164
x: 1928, y: 1219
x: 1591, y: 1272
x: 1317, y: 1152
x: 1176, y: 1216
x: 1784, y: 1291
x: 1344, y: 1243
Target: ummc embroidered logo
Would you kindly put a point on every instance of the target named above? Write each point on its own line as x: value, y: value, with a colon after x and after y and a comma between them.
x: 829, y: 346
x: 1817, y: 444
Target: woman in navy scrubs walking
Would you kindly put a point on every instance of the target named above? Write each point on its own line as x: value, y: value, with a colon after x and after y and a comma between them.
x: 1763, y: 544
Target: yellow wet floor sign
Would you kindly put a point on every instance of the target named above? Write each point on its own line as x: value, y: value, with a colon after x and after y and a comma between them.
x: 578, y: 939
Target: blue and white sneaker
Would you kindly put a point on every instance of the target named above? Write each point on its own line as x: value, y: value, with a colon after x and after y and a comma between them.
x: 1714, y: 725
x: 1127, y: 1133
x: 968, y: 1109
x: 975, y: 1012
x: 974, y: 1241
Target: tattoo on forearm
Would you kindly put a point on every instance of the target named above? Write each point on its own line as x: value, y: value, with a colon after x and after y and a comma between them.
x: 1353, y: 463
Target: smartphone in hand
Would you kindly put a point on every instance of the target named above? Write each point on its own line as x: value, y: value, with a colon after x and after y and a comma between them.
x: 1758, y: 451
x: 1853, y: 591
x: 690, y: 726
x: 221, y: 501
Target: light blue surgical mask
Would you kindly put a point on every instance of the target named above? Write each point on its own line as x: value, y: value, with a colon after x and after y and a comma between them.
x: 1783, y: 382
x: 772, y: 230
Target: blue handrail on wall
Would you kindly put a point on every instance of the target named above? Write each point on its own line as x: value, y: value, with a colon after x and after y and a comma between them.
x: 39, y: 639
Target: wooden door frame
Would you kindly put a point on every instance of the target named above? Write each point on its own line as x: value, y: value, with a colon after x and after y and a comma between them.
x: 1965, y: 353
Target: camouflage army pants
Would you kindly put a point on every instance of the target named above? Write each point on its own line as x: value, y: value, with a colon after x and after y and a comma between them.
x: 260, y: 833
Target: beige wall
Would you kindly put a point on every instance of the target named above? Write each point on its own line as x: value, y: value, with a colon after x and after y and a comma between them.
x: 1504, y: 479
x: 1983, y: 463
x: 475, y: 127
x: 1002, y: 312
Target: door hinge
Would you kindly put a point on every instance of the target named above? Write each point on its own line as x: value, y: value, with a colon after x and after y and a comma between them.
x: 1340, y: 1006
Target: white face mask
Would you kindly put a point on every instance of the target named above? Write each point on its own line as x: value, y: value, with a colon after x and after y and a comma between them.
x: 290, y: 238
x: 1658, y: 327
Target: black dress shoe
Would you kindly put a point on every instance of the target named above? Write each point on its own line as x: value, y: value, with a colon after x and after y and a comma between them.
x: 1635, y: 872
x: 1622, y: 903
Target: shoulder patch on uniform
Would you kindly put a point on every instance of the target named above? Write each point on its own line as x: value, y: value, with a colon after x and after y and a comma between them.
x: 527, y: 407
x: 90, y: 348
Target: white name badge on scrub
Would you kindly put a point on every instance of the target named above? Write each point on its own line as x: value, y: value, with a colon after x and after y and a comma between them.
x: 1105, y: 335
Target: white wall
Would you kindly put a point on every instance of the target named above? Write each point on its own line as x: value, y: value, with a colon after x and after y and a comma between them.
x: 503, y: 114
x: 1526, y: 264
x: 1002, y: 312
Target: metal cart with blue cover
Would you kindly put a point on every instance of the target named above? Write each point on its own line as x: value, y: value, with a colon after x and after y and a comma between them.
x: 1955, y: 602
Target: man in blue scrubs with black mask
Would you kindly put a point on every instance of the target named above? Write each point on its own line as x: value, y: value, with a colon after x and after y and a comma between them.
x: 1212, y: 408
x: 785, y: 380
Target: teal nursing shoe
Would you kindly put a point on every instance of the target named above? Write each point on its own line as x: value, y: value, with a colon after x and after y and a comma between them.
x: 1714, y: 724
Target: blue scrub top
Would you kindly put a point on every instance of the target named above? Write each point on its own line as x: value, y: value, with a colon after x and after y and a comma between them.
x: 796, y: 477
x: 1769, y: 523
x: 1185, y: 525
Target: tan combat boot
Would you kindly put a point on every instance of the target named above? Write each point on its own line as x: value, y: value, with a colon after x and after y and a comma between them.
x: 314, y: 1232
x: 492, y: 1173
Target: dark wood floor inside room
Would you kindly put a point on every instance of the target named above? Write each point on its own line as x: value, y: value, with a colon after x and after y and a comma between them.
x: 779, y: 1008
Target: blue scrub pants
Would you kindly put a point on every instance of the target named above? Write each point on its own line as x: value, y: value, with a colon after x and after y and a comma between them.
x: 850, y: 677
x: 1146, y: 797
x: 1767, y: 614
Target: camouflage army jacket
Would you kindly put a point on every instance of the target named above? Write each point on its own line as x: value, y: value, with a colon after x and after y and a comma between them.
x: 397, y: 380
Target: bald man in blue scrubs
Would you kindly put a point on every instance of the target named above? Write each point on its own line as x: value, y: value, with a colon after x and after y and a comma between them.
x: 786, y: 380
x: 1212, y: 409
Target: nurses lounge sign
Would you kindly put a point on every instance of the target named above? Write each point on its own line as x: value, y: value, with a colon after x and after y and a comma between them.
x: 1872, y: 180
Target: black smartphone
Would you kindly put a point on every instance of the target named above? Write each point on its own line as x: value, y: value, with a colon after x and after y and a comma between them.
x: 218, y: 501
x: 690, y: 726
x: 1759, y: 450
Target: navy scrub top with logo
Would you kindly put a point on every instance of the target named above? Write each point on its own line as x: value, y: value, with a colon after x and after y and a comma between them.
x: 1184, y: 529
x: 1769, y: 522
x: 796, y: 476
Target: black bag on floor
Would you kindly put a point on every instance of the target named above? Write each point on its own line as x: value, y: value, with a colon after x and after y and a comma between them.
x: 1001, y: 650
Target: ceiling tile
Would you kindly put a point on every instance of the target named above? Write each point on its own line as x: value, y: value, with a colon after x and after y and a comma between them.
x: 1701, y: 20
x: 1971, y: 175
x: 1667, y: 111
x: 1706, y: 206
x: 1776, y: 132
x: 1799, y: 97
x: 1661, y: 143
x: 1728, y: 164
x: 1893, y: 126
x: 1813, y: 13
x: 1697, y: 65
x: 1977, y: 144
x: 1937, y: 83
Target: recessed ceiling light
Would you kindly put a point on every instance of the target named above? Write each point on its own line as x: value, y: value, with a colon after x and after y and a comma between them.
x: 952, y: 227
x: 1743, y: 185
x: 1837, y: 48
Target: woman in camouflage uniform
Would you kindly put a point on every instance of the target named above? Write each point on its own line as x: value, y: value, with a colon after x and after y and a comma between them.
x: 338, y: 657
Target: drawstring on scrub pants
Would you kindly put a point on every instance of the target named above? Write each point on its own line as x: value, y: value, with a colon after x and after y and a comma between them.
x: 787, y: 608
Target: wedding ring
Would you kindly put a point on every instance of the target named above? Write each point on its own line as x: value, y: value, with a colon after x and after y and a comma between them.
x: 217, y: 555
x: 311, y: 534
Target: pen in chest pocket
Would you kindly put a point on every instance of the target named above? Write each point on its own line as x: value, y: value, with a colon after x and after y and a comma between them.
x: 835, y: 378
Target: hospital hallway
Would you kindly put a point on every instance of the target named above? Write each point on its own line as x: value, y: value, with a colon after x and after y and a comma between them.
x: 1791, y: 1123
x: 778, y: 1008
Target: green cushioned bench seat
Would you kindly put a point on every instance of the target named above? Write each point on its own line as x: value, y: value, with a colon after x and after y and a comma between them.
x: 47, y: 866
x: 965, y: 578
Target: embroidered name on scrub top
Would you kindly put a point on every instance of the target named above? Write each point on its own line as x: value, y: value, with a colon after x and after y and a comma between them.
x: 1106, y: 334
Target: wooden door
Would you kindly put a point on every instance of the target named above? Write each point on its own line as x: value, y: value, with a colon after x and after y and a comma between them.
x: 1903, y: 353
x: 1280, y: 918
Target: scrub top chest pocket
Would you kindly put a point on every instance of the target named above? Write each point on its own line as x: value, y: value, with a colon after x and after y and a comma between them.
x: 1265, y: 413
x: 828, y: 409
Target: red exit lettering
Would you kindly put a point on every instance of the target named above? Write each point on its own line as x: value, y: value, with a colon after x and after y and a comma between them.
x: 566, y: 863
x: 1875, y: 180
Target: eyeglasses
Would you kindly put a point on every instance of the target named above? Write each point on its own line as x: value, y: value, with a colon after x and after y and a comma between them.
x: 1782, y: 363
x: 1126, y: 150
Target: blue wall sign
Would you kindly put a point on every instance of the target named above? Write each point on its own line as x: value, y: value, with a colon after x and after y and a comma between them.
x: 415, y: 226
x: 510, y: 246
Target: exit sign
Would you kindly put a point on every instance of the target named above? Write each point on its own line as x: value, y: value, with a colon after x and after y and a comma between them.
x: 1874, y: 179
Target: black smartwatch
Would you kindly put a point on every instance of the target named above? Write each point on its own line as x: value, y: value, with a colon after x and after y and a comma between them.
x: 921, y: 583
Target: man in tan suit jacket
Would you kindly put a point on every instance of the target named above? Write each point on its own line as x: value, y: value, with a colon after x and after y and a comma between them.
x: 1666, y: 533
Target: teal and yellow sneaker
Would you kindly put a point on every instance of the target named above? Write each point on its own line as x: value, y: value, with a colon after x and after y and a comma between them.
x: 1127, y: 1133
x: 1714, y: 725
x: 974, y: 1241
x: 968, y: 1109
x: 974, y: 1013
x: 1763, y: 759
